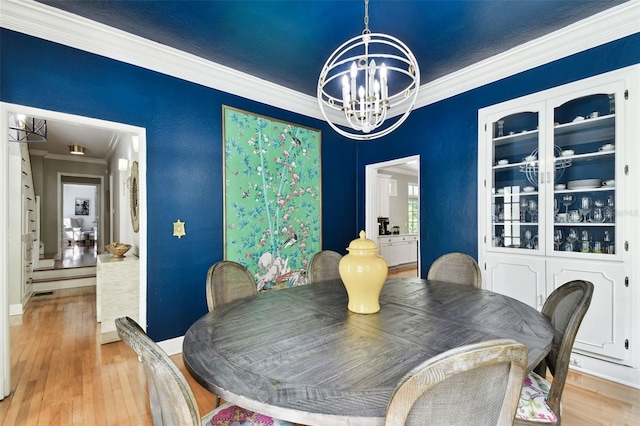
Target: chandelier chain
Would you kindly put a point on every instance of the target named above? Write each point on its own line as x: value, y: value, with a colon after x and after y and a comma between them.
x: 366, y: 18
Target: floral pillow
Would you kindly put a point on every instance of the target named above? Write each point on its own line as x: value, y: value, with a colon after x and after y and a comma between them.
x: 232, y: 415
x: 533, y: 401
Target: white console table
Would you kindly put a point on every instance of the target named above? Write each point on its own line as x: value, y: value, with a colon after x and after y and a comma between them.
x: 117, y: 290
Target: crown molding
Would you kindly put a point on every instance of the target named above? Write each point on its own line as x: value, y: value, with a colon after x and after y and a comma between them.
x: 76, y: 158
x: 612, y: 24
x: 46, y: 22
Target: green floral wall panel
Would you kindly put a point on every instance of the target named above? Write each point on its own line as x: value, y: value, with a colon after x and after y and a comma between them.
x: 272, y: 197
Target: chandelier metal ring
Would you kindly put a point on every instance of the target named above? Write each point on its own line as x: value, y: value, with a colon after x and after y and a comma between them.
x: 387, y: 87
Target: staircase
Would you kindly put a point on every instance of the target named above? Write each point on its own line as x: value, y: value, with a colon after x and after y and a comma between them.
x: 49, y: 279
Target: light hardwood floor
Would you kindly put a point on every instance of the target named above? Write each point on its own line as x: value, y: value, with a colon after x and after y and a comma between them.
x: 61, y: 375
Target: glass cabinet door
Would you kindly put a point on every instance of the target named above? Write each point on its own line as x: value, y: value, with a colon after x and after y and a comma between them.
x: 516, y: 150
x: 584, y: 180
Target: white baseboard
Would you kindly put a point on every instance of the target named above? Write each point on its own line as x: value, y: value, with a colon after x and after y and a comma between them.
x: 613, y: 372
x: 172, y: 346
x: 15, y: 309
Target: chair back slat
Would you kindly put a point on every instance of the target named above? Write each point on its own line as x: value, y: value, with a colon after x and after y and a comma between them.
x: 228, y: 281
x: 457, y: 268
x: 474, y: 384
x: 171, y: 400
x: 324, y: 266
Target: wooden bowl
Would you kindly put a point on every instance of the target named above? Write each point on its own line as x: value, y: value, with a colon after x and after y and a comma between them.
x: 118, y: 249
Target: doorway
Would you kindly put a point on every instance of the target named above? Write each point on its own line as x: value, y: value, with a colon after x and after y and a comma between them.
x: 81, y: 202
x: 392, y: 198
x: 131, y: 132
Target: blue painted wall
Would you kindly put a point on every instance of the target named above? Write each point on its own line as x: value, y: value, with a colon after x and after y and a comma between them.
x: 184, y: 155
x: 184, y: 160
x: 445, y: 135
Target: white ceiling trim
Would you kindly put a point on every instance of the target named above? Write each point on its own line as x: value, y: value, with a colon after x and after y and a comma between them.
x: 604, y: 27
x: 49, y: 156
x: 42, y: 21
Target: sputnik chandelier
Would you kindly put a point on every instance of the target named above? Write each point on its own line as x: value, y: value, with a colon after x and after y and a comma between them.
x: 367, y: 80
x: 27, y: 129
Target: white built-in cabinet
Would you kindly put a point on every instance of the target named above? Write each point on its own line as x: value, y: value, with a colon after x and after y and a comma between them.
x: 558, y: 200
x: 383, y: 185
x: 399, y: 249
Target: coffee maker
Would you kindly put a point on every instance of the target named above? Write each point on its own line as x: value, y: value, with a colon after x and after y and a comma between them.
x: 383, y: 223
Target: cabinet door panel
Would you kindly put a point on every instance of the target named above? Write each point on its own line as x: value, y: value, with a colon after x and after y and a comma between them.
x: 603, y: 328
x: 517, y: 277
x: 388, y: 252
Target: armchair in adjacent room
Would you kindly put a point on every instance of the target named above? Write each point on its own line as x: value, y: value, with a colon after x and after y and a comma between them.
x: 72, y: 229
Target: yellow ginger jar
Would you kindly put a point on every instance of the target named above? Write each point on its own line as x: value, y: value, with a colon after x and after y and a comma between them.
x: 363, y: 273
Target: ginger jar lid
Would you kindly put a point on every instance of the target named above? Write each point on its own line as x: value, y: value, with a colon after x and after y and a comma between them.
x: 362, y: 243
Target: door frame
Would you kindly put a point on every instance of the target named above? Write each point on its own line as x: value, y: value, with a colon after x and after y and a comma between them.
x: 371, y: 196
x: 5, y: 110
x: 99, y: 187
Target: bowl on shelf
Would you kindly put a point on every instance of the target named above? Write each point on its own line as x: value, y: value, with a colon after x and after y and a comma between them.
x: 609, y: 183
x: 560, y: 186
x: 528, y: 189
x: 118, y: 250
x: 567, y: 153
x: 607, y: 147
x: 503, y: 162
x: 584, y: 184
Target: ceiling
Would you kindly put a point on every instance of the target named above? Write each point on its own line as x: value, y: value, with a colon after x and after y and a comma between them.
x: 98, y: 142
x: 288, y: 42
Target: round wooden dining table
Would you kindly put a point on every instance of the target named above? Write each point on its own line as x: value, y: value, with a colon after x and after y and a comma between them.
x: 300, y: 355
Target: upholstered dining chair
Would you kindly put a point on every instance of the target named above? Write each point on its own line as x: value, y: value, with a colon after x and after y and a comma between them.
x: 170, y: 397
x: 540, y: 401
x: 324, y: 266
x: 457, y: 268
x: 228, y: 281
x: 477, y: 384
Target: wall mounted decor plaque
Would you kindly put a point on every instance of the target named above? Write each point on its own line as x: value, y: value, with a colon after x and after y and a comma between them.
x: 272, y: 197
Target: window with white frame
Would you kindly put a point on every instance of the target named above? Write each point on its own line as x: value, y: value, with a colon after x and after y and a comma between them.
x: 413, y: 219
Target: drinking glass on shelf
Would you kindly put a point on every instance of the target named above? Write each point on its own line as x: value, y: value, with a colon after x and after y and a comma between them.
x: 556, y: 206
x: 523, y: 209
x: 557, y: 239
x: 572, y: 237
x: 598, y: 214
x: 612, y: 103
x: 609, y: 210
x: 586, y: 204
x: 567, y: 200
x: 532, y: 208
x: 500, y: 128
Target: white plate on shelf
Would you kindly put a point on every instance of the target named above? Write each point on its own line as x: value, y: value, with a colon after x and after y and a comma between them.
x: 584, y: 184
x: 609, y: 183
x: 578, y: 118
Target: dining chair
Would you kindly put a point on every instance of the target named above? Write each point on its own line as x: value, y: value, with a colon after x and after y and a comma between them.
x: 324, y: 266
x: 476, y: 384
x: 540, y: 401
x: 457, y: 268
x: 170, y: 397
x: 227, y: 281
